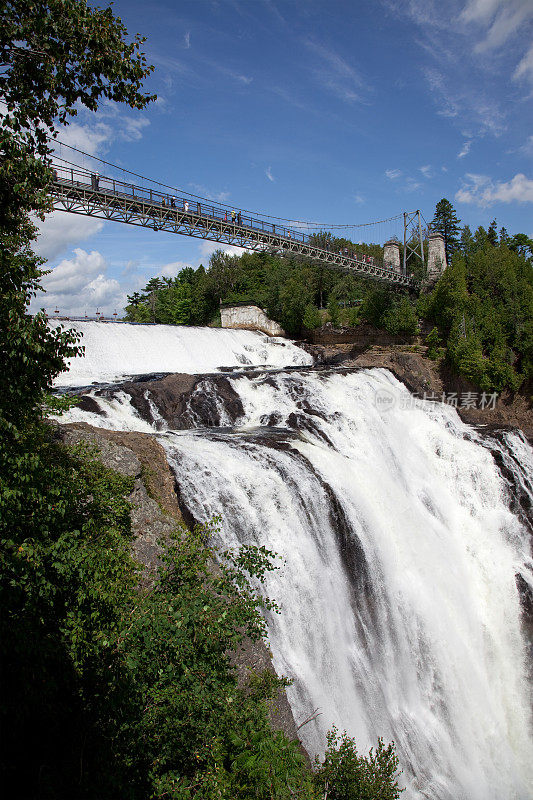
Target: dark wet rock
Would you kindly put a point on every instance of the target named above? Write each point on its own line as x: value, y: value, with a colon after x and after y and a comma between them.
x: 183, y: 401
x: 526, y: 601
x: 168, y: 395
x: 88, y: 403
x: 211, y: 398
x: 519, y: 497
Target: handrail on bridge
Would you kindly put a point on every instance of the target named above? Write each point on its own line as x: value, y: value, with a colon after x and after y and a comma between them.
x: 113, y: 188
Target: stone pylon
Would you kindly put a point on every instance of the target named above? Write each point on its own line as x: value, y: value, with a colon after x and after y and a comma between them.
x: 391, y: 255
x: 436, y: 258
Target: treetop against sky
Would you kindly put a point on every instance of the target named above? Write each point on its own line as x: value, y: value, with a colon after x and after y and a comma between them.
x: 350, y: 111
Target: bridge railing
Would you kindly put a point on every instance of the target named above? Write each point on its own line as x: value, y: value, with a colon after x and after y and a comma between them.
x: 81, y: 177
x: 198, y: 208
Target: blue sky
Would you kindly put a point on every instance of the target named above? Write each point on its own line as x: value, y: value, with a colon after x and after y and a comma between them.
x: 341, y: 112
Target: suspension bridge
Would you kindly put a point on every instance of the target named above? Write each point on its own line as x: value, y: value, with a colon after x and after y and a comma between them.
x: 77, y: 190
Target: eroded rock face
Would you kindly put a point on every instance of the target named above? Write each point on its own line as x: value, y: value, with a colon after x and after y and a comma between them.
x: 154, y: 508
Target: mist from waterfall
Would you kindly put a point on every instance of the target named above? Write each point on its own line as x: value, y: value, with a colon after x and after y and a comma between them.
x: 400, y: 541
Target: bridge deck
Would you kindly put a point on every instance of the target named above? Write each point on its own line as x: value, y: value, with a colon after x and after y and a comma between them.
x: 79, y: 192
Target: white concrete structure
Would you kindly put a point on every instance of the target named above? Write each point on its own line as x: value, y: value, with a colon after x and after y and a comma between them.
x: 249, y: 318
x: 436, y: 257
x: 391, y: 254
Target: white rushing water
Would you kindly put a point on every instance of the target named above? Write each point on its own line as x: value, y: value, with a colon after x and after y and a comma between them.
x: 400, y: 611
x: 400, y: 614
x: 114, y: 351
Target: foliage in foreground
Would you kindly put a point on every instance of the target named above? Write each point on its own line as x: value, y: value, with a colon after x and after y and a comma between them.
x: 114, y: 690
x: 346, y: 775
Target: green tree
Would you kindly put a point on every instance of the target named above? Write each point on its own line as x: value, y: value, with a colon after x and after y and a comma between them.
x: 492, y: 233
x: 480, y: 237
x: 333, y: 310
x: 75, y: 55
x: 311, y: 318
x: 504, y: 237
x: 520, y: 243
x: 433, y: 341
x: 446, y: 222
x: 375, y: 305
x: 401, y: 317
x: 467, y: 244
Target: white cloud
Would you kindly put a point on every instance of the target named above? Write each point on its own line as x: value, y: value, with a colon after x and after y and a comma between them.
x: 464, y: 150
x: 427, y: 171
x: 411, y: 185
x: 393, y: 174
x: 187, y: 40
x: 268, y: 173
x: 525, y: 67
x: 473, y: 47
x: 88, y: 138
x: 336, y: 75
x: 208, y: 248
x: 483, y: 191
x: 219, y: 197
x: 94, y: 136
x: 60, y: 230
x: 359, y: 199
x: 476, y: 10
x: 501, y: 19
x: 527, y: 147
x: 80, y: 285
x: 172, y: 269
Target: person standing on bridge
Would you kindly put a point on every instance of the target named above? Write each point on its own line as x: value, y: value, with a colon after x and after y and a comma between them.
x: 185, y: 206
x: 233, y: 216
x: 239, y: 218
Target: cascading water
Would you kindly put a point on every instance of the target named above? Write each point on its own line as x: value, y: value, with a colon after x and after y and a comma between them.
x: 116, y: 350
x: 400, y: 540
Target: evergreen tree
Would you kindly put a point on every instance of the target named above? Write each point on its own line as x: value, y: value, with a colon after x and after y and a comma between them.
x: 467, y: 243
x: 522, y: 244
x: 480, y: 238
x: 492, y: 233
x: 446, y: 222
x: 504, y: 237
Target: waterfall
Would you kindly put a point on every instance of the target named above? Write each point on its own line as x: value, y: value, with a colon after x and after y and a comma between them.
x: 114, y: 351
x: 401, y: 532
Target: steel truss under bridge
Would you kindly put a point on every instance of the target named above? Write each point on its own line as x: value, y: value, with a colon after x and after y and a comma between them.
x: 80, y: 192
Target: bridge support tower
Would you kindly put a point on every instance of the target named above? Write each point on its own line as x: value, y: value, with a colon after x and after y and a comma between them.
x: 436, y: 258
x: 391, y: 255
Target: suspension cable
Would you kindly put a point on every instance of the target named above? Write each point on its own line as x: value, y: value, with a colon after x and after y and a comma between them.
x: 206, y: 199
